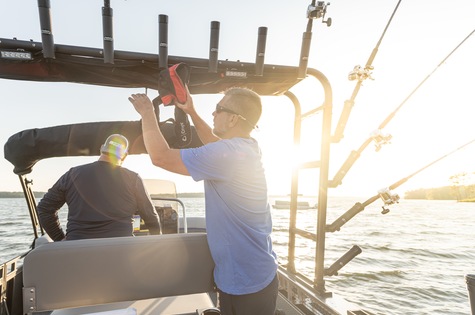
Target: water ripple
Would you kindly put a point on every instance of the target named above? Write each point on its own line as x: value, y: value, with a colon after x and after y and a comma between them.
x: 413, y: 262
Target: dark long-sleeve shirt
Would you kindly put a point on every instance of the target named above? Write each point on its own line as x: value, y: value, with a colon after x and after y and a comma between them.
x: 102, y: 199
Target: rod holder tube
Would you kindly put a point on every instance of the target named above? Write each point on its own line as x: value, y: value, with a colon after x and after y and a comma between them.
x: 163, y: 41
x: 337, y: 180
x: 345, y: 217
x: 304, y: 54
x: 46, y: 29
x: 261, y: 50
x: 470, y: 279
x: 340, y: 263
x: 214, y: 47
x: 107, y: 32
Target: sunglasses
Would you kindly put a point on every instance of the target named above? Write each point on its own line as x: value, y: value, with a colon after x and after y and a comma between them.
x: 220, y: 109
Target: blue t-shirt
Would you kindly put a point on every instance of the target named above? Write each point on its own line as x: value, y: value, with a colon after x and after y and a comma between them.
x: 238, y: 217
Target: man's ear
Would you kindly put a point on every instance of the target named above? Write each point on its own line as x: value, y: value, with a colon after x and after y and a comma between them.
x: 233, y: 121
x: 123, y: 158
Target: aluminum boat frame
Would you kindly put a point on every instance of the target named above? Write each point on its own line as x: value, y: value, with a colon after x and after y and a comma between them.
x: 25, y: 286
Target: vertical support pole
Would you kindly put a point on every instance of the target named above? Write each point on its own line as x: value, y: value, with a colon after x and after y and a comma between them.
x: 213, y: 47
x: 323, y: 181
x: 261, y: 50
x: 31, y: 203
x: 46, y: 32
x: 294, y: 184
x: 108, y: 37
x: 162, y: 41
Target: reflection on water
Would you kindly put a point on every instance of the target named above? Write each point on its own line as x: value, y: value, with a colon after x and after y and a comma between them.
x: 414, y: 258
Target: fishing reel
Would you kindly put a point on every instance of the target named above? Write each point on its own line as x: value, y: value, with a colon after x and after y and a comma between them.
x: 318, y: 11
x: 359, y: 73
x: 380, y: 139
x: 388, y: 198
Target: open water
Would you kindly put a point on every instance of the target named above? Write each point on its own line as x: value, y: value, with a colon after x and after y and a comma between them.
x: 414, y: 258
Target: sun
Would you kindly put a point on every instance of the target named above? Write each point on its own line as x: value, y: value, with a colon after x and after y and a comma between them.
x: 276, y: 139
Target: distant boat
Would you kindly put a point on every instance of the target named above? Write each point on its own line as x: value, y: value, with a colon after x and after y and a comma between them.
x: 285, y: 204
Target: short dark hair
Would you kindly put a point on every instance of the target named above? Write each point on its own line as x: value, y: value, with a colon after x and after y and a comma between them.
x: 247, y: 103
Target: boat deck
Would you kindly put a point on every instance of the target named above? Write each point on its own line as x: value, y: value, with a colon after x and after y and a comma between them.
x: 177, y: 305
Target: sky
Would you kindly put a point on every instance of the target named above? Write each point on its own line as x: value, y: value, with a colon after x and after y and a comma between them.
x: 434, y: 121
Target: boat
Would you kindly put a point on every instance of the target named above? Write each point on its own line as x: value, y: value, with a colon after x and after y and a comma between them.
x: 285, y: 204
x: 129, y: 275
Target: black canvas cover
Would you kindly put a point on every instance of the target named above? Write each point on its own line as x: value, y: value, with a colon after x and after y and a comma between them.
x: 136, y: 70
x: 24, y: 149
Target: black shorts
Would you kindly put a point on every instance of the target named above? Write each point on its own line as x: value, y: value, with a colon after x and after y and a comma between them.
x: 260, y: 303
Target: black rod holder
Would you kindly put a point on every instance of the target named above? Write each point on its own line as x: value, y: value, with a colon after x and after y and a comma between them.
x: 46, y: 31
x: 304, y: 53
x: 261, y: 50
x: 213, y: 47
x: 305, y: 50
x: 163, y: 41
x: 345, y: 217
x: 107, y: 32
x: 346, y: 258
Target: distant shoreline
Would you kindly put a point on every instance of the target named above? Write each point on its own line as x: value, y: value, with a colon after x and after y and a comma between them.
x: 40, y: 194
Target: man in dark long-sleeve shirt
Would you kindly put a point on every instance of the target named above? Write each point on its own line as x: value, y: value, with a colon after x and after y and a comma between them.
x: 102, y: 198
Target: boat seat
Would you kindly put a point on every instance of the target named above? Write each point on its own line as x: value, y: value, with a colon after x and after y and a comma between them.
x: 80, y: 273
x: 42, y: 239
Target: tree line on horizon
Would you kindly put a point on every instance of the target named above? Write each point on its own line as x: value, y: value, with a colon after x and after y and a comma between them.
x: 459, y: 193
x: 40, y: 194
x: 462, y: 189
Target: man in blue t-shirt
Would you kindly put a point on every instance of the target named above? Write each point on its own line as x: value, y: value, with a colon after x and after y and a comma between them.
x: 238, y: 218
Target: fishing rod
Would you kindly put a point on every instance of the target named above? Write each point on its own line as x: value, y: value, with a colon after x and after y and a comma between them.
x: 385, y: 194
x: 388, y: 198
x: 360, y: 74
x: 378, y: 136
